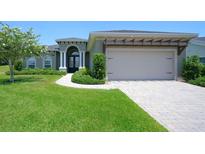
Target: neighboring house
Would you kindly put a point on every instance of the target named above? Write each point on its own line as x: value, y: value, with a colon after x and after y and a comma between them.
x: 130, y: 55
x: 197, y: 47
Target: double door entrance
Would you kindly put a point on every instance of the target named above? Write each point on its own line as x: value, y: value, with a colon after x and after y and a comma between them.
x: 73, y: 62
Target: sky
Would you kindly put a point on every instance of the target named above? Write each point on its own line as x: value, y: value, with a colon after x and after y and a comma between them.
x: 49, y: 31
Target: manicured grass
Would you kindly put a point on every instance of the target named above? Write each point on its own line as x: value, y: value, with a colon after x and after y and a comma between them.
x: 4, y: 69
x: 36, y: 103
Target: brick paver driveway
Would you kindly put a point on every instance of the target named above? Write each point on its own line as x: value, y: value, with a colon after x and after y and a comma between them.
x: 176, y: 105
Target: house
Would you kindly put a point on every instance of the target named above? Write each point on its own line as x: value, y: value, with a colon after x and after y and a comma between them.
x: 130, y: 54
x: 196, y: 46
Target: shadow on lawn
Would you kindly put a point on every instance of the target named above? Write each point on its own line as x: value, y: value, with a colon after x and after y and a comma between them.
x: 20, y: 79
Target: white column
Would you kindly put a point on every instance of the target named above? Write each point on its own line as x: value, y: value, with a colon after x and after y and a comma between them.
x: 61, y: 60
x: 84, y: 59
x: 80, y: 57
x: 64, y: 59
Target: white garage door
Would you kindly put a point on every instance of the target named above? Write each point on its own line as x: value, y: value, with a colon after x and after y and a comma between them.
x: 140, y: 63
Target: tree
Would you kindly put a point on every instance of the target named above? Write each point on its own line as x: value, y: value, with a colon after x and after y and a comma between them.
x: 16, y: 44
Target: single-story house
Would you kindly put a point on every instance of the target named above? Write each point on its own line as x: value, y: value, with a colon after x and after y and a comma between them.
x: 196, y: 46
x: 130, y: 54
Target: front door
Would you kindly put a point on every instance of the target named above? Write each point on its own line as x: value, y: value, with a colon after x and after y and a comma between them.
x: 73, y: 63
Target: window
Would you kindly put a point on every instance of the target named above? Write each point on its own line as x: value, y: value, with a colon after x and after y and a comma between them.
x: 76, y: 61
x: 71, y: 62
x: 31, y: 62
x: 76, y: 55
x: 47, y: 62
x: 202, y: 60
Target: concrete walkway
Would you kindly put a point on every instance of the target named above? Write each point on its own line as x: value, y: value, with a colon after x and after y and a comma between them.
x: 176, y: 105
x: 66, y: 81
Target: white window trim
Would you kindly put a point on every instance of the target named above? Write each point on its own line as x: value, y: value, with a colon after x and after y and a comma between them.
x: 31, y: 58
x: 51, y: 60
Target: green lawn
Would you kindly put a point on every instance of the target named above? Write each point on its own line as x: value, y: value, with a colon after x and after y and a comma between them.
x: 36, y: 103
x: 3, y: 69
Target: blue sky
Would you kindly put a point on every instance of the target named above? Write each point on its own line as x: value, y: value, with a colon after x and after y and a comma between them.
x: 52, y: 30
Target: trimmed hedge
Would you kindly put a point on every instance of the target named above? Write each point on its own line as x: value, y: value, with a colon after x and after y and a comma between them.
x: 82, y: 76
x: 199, y: 81
x: 37, y: 72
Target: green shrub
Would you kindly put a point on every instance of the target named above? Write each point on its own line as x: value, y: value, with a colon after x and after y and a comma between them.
x: 98, y: 70
x: 203, y: 70
x: 37, y: 72
x: 192, y: 68
x: 18, y: 65
x: 83, y: 77
x: 198, y: 81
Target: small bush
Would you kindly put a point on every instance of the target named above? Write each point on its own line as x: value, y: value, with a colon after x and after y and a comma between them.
x: 98, y: 71
x: 203, y: 70
x: 37, y: 72
x: 18, y: 65
x: 199, y: 81
x: 83, y: 77
x: 192, y: 68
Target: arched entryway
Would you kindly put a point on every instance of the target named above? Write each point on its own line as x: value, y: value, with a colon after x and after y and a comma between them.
x: 73, y: 60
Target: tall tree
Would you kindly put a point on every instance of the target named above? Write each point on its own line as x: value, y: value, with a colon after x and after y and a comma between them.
x: 16, y: 44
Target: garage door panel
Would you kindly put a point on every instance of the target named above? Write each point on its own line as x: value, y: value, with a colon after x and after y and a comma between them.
x: 134, y: 64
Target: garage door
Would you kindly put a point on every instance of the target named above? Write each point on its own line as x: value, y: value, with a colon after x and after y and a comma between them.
x: 140, y: 63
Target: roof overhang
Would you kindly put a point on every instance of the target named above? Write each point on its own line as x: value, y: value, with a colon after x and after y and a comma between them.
x: 70, y: 40
x: 139, y: 39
